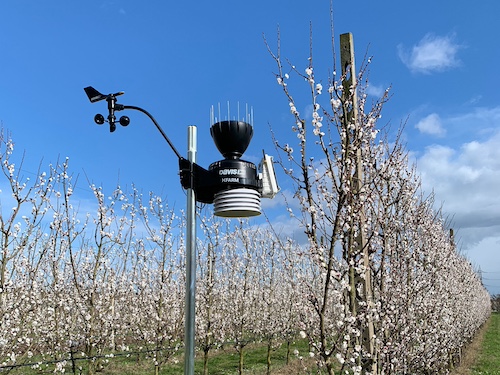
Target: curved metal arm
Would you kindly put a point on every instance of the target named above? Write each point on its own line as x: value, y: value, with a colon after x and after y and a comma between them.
x: 120, y: 107
x: 95, y: 96
x: 192, y: 175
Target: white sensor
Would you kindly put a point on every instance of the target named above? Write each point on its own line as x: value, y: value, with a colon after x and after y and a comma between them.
x: 269, y: 183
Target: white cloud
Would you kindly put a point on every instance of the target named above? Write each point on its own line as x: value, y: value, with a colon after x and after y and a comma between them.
x: 466, y: 180
x: 432, y: 54
x: 375, y: 90
x: 466, y: 183
x: 431, y: 125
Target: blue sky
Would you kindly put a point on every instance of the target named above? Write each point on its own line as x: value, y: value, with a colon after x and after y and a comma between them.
x: 177, y: 59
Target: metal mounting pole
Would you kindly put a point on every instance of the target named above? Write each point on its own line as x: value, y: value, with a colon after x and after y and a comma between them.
x: 189, y: 334
x: 189, y: 337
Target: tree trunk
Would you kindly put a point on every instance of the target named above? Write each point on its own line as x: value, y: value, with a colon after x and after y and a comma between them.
x: 268, y: 359
x: 288, y: 352
x: 205, y: 360
x: 240, y: 364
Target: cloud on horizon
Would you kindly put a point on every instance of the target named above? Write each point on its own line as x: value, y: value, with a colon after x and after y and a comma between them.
x: 465, y: 179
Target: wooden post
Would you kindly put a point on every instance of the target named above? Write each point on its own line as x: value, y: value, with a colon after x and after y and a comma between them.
x: 350, y: 100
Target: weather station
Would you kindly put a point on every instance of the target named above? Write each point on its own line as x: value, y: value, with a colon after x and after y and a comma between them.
x: 234, y: 186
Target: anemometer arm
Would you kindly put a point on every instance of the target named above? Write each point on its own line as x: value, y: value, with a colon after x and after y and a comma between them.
x: 164, y: 135
x: 95, y: 96
x: 191, y: 174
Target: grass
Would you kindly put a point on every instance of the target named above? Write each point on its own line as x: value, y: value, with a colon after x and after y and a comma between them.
x: 488, y: 360
x: 225, y: 361
x: 482, y: 355
x: 221, y: 362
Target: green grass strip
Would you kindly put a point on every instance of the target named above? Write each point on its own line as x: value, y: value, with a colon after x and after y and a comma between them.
x: 488, y: 361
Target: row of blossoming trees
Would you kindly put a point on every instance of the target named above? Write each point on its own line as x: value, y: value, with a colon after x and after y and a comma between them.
x: 378, y: 286
x: 387, y: 291
x: 88, y: 279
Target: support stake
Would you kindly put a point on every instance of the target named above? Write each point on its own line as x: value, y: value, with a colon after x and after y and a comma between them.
x: 350, y: 95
